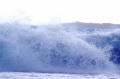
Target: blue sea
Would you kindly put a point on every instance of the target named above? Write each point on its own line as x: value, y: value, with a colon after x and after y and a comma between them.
x: 59, y: 49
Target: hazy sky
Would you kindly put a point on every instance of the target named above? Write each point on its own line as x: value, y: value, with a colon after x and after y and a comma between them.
x: 55, y: 11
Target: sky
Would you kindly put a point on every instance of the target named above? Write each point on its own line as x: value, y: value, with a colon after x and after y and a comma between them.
x: 59, y: 11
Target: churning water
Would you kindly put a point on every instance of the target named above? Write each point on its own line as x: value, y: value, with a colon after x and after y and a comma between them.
x: 59, y: 48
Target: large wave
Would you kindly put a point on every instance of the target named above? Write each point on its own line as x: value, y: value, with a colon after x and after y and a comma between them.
x: 57, y: 48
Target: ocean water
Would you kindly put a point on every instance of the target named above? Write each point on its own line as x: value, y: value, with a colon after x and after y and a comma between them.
x: 22, y: 75
x: 59, y: 49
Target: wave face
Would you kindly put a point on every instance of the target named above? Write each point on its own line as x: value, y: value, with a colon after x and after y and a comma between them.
x: 56, y: 48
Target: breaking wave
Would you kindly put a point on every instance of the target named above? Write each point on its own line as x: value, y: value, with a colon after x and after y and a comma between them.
x: 57, y: 48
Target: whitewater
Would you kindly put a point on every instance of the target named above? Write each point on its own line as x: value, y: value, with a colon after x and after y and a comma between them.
x: 59, y: 52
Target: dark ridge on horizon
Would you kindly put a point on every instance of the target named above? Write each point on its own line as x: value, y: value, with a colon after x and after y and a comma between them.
x: 70, y: 24
x: 94, y: 25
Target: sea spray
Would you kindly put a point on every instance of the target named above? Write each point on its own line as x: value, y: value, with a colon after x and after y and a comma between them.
x: 54, y: 48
